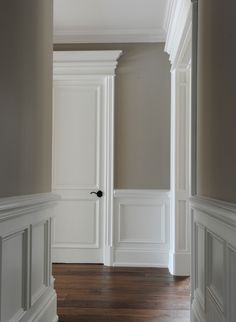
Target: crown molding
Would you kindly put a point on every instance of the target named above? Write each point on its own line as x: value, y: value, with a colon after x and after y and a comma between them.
x: 168, y: 14
x: 178, y: 23
x: 110, y: 36
x: 94, y: 62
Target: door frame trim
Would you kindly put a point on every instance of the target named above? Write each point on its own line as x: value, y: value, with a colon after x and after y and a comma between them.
x: 101, y: 63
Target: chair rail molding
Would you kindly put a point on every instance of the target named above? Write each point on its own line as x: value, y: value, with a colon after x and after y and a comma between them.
x: 141, y: 228
x: 26, y: 289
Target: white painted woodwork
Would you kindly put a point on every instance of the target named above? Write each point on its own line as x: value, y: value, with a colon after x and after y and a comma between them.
x: 86, y: 21
x: 213, y: 222
x: 178, y: 25
x: 214, y: 258
x: 83, y: 155
x: 179, y: 262
x: 215, y: 277
x: 26, y: 288
x: 39, y: 255
x: 178, y: 46
x: 231, y: 286
x: 141, y: 224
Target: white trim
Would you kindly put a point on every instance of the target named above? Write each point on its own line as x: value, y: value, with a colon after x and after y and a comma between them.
x: 221, y: 210
x: 11, y: 207
x: 110, y: 36
x: 179, y: 263
x: 168, y: 14
x: 217, y: 219
x: 177, y: 23
x: 141, y: 193
x: 48, y: 302
x: 70, y: 64
x: 96, y: 62
x: 19, y: 215
x: 136, y: 244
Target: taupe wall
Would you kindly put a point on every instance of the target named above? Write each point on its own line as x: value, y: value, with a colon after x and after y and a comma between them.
x: 216, y: 162
x: 25, y: 96
x: 142, y: 119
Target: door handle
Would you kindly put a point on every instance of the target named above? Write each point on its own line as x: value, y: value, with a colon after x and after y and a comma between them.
x: 99, y: 193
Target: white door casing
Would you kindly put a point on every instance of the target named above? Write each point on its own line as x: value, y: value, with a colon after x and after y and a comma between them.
x: 83, y: 155
x: 178, y: 46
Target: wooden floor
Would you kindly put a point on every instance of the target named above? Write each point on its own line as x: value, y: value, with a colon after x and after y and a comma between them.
x: 89, y: 293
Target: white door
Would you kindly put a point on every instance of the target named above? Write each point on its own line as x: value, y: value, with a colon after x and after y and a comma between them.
x: 79, y: 169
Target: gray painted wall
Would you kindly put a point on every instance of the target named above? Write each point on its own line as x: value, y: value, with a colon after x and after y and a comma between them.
x: 216, y: 121
x: 25, y: 95
x: 142, y: 118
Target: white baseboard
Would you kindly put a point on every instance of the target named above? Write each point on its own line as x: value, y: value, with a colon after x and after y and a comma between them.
x: 45, y: 310
x: 197, y: 314
x: 108, y: 256
x: 141, y: 228
x: 179, y: 264
x: 140, y: 258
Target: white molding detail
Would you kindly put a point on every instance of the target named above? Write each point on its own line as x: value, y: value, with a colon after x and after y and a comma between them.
x: 25, y: 228
x: 94, y: 67
x: 168, y: 14
x: 178, y: 23
x: 11, y: 207
x: 141, y: 193
x: 221, y: 210
x: 100, y: 62
x: 141, y: 228
x: 180, y: 166
x: 110, y: 36
x: 214, y: 260
x: 179, y: 263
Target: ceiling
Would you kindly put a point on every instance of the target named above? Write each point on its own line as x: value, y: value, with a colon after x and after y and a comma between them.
x: 87, y: 21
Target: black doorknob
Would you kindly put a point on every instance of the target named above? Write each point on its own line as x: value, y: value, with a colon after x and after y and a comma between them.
x: 99, y: 193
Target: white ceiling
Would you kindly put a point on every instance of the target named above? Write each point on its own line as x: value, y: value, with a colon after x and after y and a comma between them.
x: 109, y: 20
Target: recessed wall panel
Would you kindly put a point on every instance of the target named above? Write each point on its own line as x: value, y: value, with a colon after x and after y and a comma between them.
x: 216, y: 272
x: 76, y: 224
x: 39, y: 259
x: 14, y: 276
x: 76, y: 135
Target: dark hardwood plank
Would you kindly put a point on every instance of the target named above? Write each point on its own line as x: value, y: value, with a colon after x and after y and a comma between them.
x: 89, y: 293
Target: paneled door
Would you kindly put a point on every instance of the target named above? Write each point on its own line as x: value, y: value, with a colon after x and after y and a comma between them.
x: 82, y: 173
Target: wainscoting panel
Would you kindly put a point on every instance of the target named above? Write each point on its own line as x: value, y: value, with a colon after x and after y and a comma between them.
x: 200, y: 265
x: 214, y: 259
x: 14, y: 275
x: 232, y: 284
x: 39, y: 260
x: 141, y: 228
x: 26, y: 291
x: 215, y: 278
x: 213, y: 312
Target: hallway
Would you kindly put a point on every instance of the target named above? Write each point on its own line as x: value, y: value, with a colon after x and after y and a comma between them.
x: 88, y: 293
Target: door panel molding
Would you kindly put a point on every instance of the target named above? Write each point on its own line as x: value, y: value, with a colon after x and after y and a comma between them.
x: 89, y: 70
